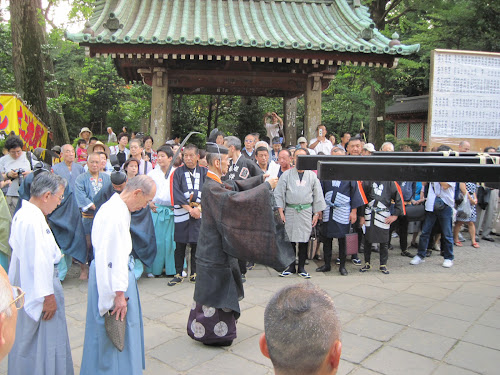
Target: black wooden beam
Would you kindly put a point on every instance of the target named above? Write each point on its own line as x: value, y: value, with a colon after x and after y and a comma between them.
x: 366, y: 171
x: 310, y: 162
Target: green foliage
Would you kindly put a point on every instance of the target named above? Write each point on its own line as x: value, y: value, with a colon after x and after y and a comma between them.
x: 6, y: 71
x: 250, y: 117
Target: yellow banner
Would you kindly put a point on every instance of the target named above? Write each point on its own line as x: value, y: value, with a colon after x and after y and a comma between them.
x: 15, y: 116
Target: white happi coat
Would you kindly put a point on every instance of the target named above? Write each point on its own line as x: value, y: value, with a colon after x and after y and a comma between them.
x: 112, y: 246
x: 35, y: 249
x: 291, y: 190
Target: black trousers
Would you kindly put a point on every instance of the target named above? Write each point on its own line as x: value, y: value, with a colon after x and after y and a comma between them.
x: 302, y: 257
x: 327, y: 250
x: 384, y: 253
x: 401, y: 228
x: 180, y: 254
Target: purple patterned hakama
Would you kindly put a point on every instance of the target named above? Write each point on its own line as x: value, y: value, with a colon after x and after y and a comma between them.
x: 210, y: 325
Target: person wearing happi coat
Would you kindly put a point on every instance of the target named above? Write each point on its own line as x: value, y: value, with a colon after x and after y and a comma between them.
x: 187, y: 184
x: 162, y: 212
x: 300, y: 201
x: 42, y: 342
x: 342, y: 199
x: 378, y: 218
x: 256, y: 234
x: 112, y: 287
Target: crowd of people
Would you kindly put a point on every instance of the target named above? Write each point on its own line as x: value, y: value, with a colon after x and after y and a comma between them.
x: 129, y: 210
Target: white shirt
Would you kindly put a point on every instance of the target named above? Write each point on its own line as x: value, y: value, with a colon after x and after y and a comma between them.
x: 323, y: 146
x: 35, y: 249
x: 7, y: 163
x: 273, y: 130
x: 112, y: 246
x: 163, y: 192
x: 436, y: 190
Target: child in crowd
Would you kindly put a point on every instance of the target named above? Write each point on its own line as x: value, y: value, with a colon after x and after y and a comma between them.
x: 81, y: 151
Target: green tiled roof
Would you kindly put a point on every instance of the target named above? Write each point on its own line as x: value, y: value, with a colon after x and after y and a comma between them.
x: 318, y: 25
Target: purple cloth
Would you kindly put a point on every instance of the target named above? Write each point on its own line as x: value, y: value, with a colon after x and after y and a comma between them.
x: 210, y: 325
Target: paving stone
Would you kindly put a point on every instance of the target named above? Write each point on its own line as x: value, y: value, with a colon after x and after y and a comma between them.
x: 76, y: 332
x: 353, y: 303
x: 250, y: 350
x: 76, y: 355
x: 397, y: 286
x: 156, y: 334
x: 346, y: 316
x: 442, y: 325
x: 481, y: 289
x: 363, y: 371
x: 429, y: 290
x: 395, y: 313
x: 411, y: 300
x: 444, y: 369
x: 457, y: 311
x: 475, y: 358
x: 155, y: 367
x: 183, y: 297
x: 425, y: 343
x: 244, y: 332
x: 256, y: 296
x: 393, y: 361
x: 345, y: 367
x: 229, y: 363
x: 356, y: 348
x: 495, y: 306
x: 490, y: 318
x: 483, y: 335
x: 77, y: 311
x: 469, y: 299
x: 373, y: 328
x: 451, y: 285
x: 372, y: 292
x: 160, y: 307
x: 183, y: 353
x: 253, y: 317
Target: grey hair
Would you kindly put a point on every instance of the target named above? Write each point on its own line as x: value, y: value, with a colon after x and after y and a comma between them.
x: 233, y: 141
x: 386, y: 144
x: 301, y: 324
x: 5, y: 296
x: 46, y: 182
x: 67, y: 145
x: 142, y: 182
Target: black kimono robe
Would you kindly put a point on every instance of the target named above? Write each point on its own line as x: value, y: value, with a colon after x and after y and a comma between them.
x: 238, y: 223
x: 379, y: 195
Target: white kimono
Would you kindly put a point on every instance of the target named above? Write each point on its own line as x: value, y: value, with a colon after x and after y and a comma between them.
x: 35, y: 249
x: 112, y: 246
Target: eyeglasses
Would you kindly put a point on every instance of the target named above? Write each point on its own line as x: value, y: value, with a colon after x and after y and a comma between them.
x: 18, y: 301
x: 61, y: 197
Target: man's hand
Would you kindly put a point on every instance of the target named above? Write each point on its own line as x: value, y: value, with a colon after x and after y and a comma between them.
x: 315, y: 219
x: 12, y: 174
x: 92, y: 207
x: 152, y: 206
x: 49, y: 307
x: 195, y: 213
x: 353, y: 216
x: 273, y: 182
x: 282, y: 215
x: 391, y: 219
x: 120, y: 309
x: 362, y: 221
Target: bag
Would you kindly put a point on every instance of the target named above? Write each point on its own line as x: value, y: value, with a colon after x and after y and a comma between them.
x: 464, y: 210
x: 351, y: 242
x: 115, y: 329
x: 415, y: 213
x: 315, y: 235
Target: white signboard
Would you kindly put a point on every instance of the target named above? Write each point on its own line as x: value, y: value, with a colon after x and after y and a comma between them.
x: 465, y: 96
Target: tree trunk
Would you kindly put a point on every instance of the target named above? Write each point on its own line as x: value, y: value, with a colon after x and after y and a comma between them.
x: 210, y: 111
x: 376, y: 127
x: 217, y: 104
x: 27, y: 56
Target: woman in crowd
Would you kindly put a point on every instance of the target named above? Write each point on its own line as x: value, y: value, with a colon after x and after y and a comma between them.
x: 131, y: 167
x: 136, y: 151
x: 149, y: 154
x: 468, y: 189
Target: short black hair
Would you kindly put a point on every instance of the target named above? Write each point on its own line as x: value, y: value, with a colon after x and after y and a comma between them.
x: 261, y: 148
x: 167, y: 150
x: 286, y: 150
x: 351, y: 139
x: 444, y: 148
x: 93, y: 139
x: 490, y: 148
x: 121, y: 135
x: 344, y: 133
x: 191, y: 146
x: 144, y: 139
x: 81, y: 141
x: 13, y: 142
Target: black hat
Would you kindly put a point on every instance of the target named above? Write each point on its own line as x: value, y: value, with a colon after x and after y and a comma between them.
x: 214, y: 148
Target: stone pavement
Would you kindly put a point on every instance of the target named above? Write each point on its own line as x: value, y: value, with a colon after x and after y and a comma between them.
x: 418, y: 320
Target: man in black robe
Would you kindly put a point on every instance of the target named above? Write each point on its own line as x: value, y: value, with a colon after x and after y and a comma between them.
x: 256, y: 234
x: 240, y: 168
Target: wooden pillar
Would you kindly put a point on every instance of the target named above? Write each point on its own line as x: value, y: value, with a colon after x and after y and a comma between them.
x: 289, y: 120
x: 159, y: 106
x: 312, y: 105
x: 170, y: 97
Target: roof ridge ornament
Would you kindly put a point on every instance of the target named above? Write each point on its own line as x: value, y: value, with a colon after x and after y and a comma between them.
x: 113, y: 23
x: 394, y: 41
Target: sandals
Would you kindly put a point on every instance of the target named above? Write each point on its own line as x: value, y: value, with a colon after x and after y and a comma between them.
x: 459, y: 244
x: 475, y: 245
